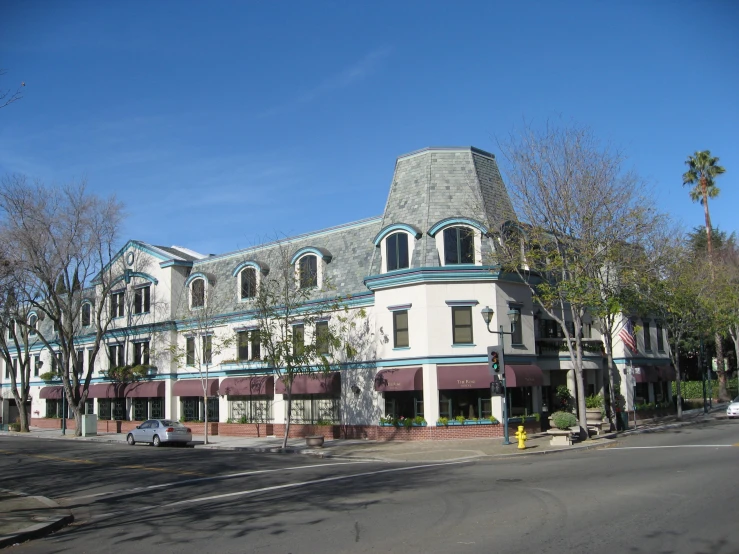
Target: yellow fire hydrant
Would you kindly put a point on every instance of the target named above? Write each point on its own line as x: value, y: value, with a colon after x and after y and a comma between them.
x: 521, y: 436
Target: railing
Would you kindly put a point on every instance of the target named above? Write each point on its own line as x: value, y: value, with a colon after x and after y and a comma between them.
x: 558, y: 347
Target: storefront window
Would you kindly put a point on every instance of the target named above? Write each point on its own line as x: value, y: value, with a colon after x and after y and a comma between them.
x: 404, y: 404
x: 314, y: 408
x: 520, y: 401
x: 250, y: 409
x: 192, y: 408
x: 468, y: 403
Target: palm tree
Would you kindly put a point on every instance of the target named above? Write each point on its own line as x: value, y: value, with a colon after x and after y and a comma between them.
x: 702, y: 171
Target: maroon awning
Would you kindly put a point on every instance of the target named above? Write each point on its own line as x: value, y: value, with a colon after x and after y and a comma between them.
x: 450, y: 377
x: 145, y: 389
x: 107, y: 390
x: 247, y: 386
x: 523, y: 376
x: 194, y: 387
x: 666, y: 373
x: 406, y: 378
x: 316, y: 383
x: 646, y: 374
x: 52, y: 393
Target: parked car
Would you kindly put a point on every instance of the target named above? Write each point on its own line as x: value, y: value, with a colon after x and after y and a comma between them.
x: 733, y: 409
x: 160, y: 431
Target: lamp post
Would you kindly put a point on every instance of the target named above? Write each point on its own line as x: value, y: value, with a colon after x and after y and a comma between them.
x: 514, y: 316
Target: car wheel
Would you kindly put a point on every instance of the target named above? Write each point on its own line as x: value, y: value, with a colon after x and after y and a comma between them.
x: 157, y: 441
x: 130, y: 440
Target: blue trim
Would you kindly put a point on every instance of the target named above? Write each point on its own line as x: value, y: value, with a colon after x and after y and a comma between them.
x: 128, y: 275
x: 463, y: 345
x: 195, y: 276
x: 244, y: 265
x: 453, y: 221
x: 448, y: 274
x: 410, y: 229
x: 462, y: 302
x: 178, y: 263
x: 399, y: 307
x: 324, y: 255
x: 402, y: 348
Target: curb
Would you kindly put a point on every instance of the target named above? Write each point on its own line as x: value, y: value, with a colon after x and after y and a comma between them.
x: 55, y: 522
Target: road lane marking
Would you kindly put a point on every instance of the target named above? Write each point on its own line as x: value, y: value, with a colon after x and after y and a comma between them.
x: 137, y: 490
x: 272, y: 488
x: 674, y: 446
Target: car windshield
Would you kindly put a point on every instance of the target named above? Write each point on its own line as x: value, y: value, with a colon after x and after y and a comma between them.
x: 170, y: 423
x: 736, y: 399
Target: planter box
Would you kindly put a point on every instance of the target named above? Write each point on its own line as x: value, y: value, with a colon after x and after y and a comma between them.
x: 246, y: 429
x: 302, y: 430
x: 401, y: 425
x: 560, y: 437
x: 314, y: 441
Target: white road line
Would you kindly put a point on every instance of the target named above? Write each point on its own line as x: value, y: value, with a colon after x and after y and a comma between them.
x: 272, y: 488
x: 204, y: 479
x: 675, y: 446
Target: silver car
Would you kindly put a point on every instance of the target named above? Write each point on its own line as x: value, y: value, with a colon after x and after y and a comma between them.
x: 733, y: 409
x: 160, y: 431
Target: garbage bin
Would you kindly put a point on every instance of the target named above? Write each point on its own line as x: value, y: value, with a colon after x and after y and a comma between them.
x: 89, y: 425
x: 623, y: 421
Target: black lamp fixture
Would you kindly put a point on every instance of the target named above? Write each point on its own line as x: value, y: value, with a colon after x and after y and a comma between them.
x: 356, y: 390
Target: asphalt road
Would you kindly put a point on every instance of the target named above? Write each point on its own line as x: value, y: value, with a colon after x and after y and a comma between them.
x: 667, y: 492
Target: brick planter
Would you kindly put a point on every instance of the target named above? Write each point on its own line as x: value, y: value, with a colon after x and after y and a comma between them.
x: 199, y: 428
x: 298, y: 430
x: 451, y: 432
x: 246, y: 429
x: 51, y: 423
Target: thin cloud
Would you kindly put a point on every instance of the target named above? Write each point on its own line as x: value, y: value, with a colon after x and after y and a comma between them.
x: 364, y: 67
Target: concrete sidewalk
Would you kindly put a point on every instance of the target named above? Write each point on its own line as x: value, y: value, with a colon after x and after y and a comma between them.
x: 27, y: 517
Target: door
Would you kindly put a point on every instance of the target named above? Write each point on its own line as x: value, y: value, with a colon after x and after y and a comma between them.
x: 143, y: 433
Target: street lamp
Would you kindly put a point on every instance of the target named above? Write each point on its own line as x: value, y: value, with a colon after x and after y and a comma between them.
x: 514, y: 315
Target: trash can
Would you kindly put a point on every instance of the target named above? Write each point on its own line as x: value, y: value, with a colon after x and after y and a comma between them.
x: 89, y: 425
x: 623, y: 421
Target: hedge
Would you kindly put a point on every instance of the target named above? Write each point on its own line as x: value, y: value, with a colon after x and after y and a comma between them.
x: 694, y: 389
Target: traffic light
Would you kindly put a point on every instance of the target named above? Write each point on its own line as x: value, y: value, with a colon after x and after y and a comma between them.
x: 496, y: 364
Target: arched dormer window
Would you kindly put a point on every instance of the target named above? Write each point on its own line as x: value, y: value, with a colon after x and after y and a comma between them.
x: 308, y: 271
x: 86, y: 313
x: 197, y: 293
x: 32, y: 323
x: 459, y: 240
x: 248, y: 283
x: 396, y: 249
x: 459, y: 245
x: 396, y: 245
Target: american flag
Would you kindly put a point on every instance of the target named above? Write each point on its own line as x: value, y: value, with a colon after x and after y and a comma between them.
x: 627, y: 335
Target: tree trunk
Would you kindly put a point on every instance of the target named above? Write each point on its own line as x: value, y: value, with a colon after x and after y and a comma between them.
x: 205, y: 409
x: 20, y: 402
x: 723, y: 394
x: 704, y: 190
x: 611, y: 384
x: 289, y: 390
x: 77, y: 421
x: 678, y: 381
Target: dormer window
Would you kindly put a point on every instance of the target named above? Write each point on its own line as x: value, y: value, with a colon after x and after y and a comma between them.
x: 32, y: 323
x: 197, y: 293
x: 396, y: 247
x: 308, y: 271
x: 248, y: 278
x: 86, y: 314
x: 459, y: 246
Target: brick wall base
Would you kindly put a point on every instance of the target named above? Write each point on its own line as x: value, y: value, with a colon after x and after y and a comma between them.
x: 199, y: 428
x: 246, y: 429
x: 299, y: 430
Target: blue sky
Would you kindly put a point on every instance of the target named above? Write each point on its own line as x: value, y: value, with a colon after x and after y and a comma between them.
x: 221, y: 125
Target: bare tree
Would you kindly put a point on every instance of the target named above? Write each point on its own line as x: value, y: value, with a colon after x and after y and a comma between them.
x: 289, y: 306
x: 62, y: 238
x: 202, y: 339
x: 578, y: 206
x: 7, y: 96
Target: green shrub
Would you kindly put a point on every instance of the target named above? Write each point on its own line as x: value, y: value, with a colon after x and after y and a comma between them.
x: 443, y: 421
x: 15, y: 427
x: 565, y: 400
x: 564, y: 420
x: 48, y: 376
x: 460, y: 418
x: 418, y: 420
x: 594, y: 401
x: 408, y: 422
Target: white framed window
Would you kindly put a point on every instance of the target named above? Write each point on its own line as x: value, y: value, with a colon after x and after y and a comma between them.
x: 247, y: 283
x: 308, y: 271
x: 397, y: 251
x: 142, y: 299
x: 116, y: 303
x: 86, y: 313
x: 32, y: 324
x: 197, y: 293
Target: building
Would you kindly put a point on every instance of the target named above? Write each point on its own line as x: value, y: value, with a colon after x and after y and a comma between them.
x: 421, y: 273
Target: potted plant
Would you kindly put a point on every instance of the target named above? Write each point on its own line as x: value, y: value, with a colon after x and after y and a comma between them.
x: 561, y: 432
x: 48, y: 376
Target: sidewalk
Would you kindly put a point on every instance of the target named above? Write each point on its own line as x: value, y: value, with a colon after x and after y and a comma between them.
x: 27, y: 517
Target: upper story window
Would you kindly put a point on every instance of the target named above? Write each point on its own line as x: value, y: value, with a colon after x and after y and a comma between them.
x: 298, y: 338
x: 11, y: 329
x: 396, y: 248
x: 141, y: 353
x: 308, y: 271
x: 516, y: 328
x: 197, y: 293
x: 400, y: 329
x: 459, y: 245
x: 248, y: 287
x: 116, y: 355
x: 116, y: 304
x: 190, y: 351
x: 86, y: 313
x: 246, y: 340
x: 32, y: 323
x: 660, y: 339
x: 462, y: 325
x: 647, y: 337
x: 142, y: 299
x: 323, y: 338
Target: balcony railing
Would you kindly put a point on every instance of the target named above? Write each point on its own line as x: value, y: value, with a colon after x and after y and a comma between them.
x: 558, y: 347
